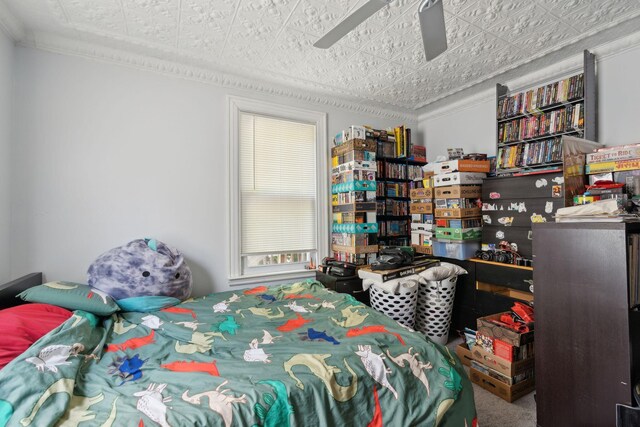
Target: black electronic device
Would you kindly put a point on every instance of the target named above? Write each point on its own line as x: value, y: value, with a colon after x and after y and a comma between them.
x: 338, y: 268
x: 391, y: 258
x: 503, y: 257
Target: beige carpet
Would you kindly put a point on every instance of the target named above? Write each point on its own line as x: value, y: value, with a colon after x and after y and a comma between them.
x: 496, y: 412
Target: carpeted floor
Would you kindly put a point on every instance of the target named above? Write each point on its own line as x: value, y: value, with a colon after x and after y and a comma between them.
x: 496, y: 412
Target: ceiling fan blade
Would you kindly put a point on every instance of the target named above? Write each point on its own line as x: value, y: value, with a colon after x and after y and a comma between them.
x: 434, y: 33
x: 351, y: 22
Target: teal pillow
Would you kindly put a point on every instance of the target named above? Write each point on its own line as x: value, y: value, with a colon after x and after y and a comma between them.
x: 72, y: 296
x: 146, y: 304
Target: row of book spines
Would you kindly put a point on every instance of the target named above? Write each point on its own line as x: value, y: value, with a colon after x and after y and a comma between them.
x: 543, y: 96
x: 403, y: 141
x: 558, y: 121
x: 398, y: 171
x: 390, y: 189
x: 529, y: 154
x: 390, y: 228
x: 392, y: 207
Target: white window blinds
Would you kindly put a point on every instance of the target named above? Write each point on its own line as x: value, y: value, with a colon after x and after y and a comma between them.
x: 277, y: 185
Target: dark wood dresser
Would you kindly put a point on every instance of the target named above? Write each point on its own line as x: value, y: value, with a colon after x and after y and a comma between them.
x: 587, y: 337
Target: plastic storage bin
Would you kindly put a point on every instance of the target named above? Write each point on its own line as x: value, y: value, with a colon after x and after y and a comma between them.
x: 455, y: 249
x: 433, y: 312
x: 400, y: 306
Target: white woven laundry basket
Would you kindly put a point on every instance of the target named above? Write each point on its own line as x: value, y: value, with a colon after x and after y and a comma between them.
x: 435, y: 304
x: 400, y: 306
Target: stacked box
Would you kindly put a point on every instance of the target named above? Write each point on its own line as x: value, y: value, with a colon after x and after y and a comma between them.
x: 421, y: 209
x: 457, y: 207
x: 503, y: 359
x: 354, y: 236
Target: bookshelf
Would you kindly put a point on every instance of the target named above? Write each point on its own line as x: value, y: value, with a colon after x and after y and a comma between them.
x: 397, y: 172
x: 530, y: 123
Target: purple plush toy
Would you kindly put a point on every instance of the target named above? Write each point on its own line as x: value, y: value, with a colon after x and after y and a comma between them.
x: 141, y: 268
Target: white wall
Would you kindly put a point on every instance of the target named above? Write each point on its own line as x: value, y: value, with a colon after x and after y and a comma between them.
x: 106, y: 154
x: 473, y: 127
x: 6, y: 71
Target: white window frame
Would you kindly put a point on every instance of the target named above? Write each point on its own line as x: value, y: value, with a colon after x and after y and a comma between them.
x: 246, y: 105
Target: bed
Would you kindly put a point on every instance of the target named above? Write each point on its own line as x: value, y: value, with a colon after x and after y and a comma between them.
x: 290, y: 355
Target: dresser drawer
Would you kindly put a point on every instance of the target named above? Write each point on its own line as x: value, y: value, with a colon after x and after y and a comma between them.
x: 507, y: 276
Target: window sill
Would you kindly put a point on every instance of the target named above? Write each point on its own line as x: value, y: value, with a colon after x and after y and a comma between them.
x: 262, y: 279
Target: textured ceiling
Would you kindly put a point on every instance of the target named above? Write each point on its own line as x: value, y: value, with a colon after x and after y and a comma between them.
x: 381, y: 62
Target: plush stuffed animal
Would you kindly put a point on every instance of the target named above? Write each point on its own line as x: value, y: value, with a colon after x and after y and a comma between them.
x: 141, y: 268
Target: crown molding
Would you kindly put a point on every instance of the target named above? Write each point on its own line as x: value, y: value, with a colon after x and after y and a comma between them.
x: 566, y: 67
x: 11, y: 25
x: 204, y: 74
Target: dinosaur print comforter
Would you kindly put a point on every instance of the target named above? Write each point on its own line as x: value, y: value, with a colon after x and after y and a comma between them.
x: 291, y: 355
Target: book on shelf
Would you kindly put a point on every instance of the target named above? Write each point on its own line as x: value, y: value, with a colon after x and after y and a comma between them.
x: 386, y: 275
x: 533, y: 100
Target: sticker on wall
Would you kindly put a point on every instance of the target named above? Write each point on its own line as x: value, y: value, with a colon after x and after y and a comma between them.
x: 506, y: 220
x: 530, y: 235
x: 486, y: 218
x: 537, y: 218
x: 556, y: 191
x: 489, y: 207
x: 518, y: 206
x: 542, y: 182
x: 548, y: 207
x: 558, y: 180
x: 494, y: 195
x: 500, y: 235
x: 501, y: 208
x: 514, y: 247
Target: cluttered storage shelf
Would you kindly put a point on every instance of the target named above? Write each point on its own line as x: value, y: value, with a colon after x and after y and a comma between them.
x: 399, y: 171
x: 530, y: 123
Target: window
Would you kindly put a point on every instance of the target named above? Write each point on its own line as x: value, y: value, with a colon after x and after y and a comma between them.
x: 278, y: 191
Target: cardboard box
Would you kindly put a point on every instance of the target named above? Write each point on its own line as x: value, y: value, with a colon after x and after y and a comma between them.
x: 421, y: 193
x: 419, y: 238
x: 463, y: 352
x: 355, y: 249
x: 355, y: 165
x: 355, y: 228
x: 424, y: 208
x: 505, y: 367
x: 458, y: 213
x: 458, y: 178
x: 613, y: 166
x: 510, y: 393
x: 522, y: 376
x: 508, y: 335
x: 458, y: 233
x: 354, y: 144
x: 419, y: 226
x: 426, y: 250
x: 360, y: 156
x: 462, y: 166
x: 345, y: 187
x: 459, y: 192
x: 354, y: 207
x: 614, y: 153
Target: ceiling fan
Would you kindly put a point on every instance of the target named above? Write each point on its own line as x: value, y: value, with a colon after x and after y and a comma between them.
x: 431, y: 13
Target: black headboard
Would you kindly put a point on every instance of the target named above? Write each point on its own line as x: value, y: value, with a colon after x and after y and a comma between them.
x: 8, y: 291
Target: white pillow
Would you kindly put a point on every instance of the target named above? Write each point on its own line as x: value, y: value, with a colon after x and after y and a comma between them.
x: 444, y: 271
